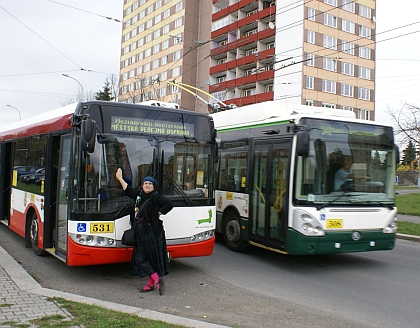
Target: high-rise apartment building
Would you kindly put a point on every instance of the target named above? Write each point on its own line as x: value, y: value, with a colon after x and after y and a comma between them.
x: 315, y: 52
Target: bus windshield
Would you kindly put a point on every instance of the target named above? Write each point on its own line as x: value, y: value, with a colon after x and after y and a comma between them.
x: 181, y: 167
x: 348, y: 164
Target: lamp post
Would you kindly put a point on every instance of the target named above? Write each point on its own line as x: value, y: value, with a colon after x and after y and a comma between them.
x: 70, y: 77
x: 20, y: 117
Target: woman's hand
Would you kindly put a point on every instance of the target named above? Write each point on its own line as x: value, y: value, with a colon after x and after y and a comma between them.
x: 118, y: 174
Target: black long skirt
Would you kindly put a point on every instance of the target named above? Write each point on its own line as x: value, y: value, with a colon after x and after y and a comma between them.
x: 149, y: 254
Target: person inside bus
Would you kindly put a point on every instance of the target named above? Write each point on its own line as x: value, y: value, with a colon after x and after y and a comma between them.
x: 150, y: 257
x: 344, y: 177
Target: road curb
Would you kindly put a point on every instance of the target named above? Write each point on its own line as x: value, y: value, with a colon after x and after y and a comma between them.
x: 408, y: 237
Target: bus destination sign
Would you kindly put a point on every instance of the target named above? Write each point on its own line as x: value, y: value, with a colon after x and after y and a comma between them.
x: 137, y: 125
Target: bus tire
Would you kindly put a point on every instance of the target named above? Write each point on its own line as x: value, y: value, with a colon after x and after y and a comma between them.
x: 232, y: 233
x: 34, y: 235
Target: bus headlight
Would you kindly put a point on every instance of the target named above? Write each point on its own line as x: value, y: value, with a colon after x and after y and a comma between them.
x: 392, y: 227
x: 91, y: 240
x: 202, y: 236
x: 306, y: 224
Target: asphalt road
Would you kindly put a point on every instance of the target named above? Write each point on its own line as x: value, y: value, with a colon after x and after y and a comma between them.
x: 255, y: 289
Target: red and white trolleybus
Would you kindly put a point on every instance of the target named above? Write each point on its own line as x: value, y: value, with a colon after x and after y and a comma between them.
x: 58, y: 188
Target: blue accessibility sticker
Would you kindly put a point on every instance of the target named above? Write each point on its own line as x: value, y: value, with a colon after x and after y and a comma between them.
x: 81, y: 227
x: 322, y: 217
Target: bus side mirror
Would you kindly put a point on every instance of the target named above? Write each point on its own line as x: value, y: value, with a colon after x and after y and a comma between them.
x: 397, y: 154
x: 87, y: 135
x: 302, y: 144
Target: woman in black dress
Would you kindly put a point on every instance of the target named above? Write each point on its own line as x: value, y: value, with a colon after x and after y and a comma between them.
x: 150, y: 257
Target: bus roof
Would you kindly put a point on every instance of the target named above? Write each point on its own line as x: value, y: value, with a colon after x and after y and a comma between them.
x: 42, y: 123
x: 263, y: 111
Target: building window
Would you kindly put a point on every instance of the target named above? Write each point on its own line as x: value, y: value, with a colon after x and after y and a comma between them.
x: 311, y: 37
x: 328, y: 86
x: 348, y: 5
x: 158, y: 4
x: 364, y: 94
x: 139, y: 70
x: 165, y: 44
x: 163, y: 92
x: 178, y: 6
x: 178, y: 22
x: 147, y: 52
x: 164, y: 60
x: 155, y: 63
x: 148, y: 37
x: 310, y: 59
x: 250, y: 92
x: 251, y: 52
x: 176, y: 71
x: 309, y: 102
x: 166, y: 13
x: 221, y: 79
x: 364, y: 52
x: 142, y: 14
x: 330, y: 64
x: 330, y: 20
x: 177, y: 54
x: 350, y: 109
x: 328, y: 105
x: 158, y: 18
x: 126, y: 50
x: 310, y: 82
x: 347, y: 90
x: 270, y: 45
x: 364, y: 114
x: 330, y: 42
x: 165, y: 29
x: 127, y: 36
x: 268, y: 88
x: 347, y: 68
x: 177, y: 39
x: 156, y: 48
x: 164, y: 76
x: 133, y: 59
x: 149, y: 9
x: 221, y: 61
x: 220, y: 23
x: 149, y: 23
x: 147, y: 67
x: 364, y: 11
x: 331, y: 2
x: 347, y: 26
x: 141, y: 28
x: 140, y: 55
x: 156, y: 34
x: 364, y: 73
x: 311, y: 14
x: 364, y: 31
x: 347, y: 47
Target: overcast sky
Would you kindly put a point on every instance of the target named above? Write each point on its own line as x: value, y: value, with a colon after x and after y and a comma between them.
x: 40, y: 40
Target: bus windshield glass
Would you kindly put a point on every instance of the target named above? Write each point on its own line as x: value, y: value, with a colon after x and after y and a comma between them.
x: 181, y: 167
x: 348, y: 164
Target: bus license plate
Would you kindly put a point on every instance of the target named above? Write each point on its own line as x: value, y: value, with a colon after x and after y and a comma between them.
x: 335, y: 224
x: 97, y: 227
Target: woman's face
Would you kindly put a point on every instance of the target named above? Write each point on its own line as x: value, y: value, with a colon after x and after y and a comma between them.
x: 148, y: 187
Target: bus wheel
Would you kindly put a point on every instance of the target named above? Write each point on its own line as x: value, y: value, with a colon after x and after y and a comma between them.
x: 34, y: 235
x: 232, y: 234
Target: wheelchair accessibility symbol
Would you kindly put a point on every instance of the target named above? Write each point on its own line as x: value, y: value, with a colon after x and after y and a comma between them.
x: 81, y: 227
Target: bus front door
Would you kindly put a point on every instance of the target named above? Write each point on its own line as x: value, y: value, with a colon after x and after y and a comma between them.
x: 62, y: 197
x: 269, y: 193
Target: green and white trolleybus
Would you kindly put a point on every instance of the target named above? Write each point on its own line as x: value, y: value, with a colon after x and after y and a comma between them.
x: 275, y: 183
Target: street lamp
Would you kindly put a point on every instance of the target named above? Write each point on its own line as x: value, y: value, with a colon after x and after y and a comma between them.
x: 20, y: 117
x: 70, y: 77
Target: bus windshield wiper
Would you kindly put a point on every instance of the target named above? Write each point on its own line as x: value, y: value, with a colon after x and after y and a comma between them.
x: 177, y: 188
x: 123, y: 209
x: 334, y: 200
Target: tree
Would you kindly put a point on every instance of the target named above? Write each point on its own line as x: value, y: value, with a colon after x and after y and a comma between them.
x: 407, y: 121
x: 104, y: 94
x: 409, y: 154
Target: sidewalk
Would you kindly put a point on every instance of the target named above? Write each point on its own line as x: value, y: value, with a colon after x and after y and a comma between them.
x: 22, y: 299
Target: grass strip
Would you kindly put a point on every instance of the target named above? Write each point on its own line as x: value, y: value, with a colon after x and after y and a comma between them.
x: 92, y: 316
